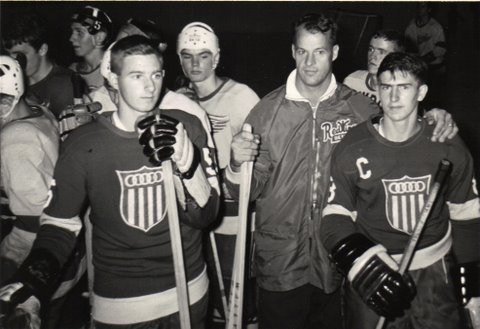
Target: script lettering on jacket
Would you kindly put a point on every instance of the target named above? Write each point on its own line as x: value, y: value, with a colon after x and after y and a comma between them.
x: 334, y: 132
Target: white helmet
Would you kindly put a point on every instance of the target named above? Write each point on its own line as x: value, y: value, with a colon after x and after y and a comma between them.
x: 11, y: 80
x: 197, y: 35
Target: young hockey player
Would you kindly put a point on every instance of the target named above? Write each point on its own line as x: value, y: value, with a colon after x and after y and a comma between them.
x: 381, y: 175
x: 103, y: 165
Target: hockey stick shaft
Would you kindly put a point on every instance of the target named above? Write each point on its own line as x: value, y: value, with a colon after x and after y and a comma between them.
x: 176, y: 240
x: 218, y: 270
x: 235, y: 311
x: 440, y: 176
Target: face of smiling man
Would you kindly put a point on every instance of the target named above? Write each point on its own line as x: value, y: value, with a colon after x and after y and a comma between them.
x: 314, y: 55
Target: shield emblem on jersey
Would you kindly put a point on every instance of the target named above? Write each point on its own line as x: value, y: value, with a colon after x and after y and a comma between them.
x: 142, y: 197
x: 404, y: 200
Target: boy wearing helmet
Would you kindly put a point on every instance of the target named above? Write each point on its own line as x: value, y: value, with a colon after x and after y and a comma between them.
x: 29, y: 143
x: 227, y: 104
x: 91, y: 30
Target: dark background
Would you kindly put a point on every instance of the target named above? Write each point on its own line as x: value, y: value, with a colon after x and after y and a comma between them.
x: 255, y: 40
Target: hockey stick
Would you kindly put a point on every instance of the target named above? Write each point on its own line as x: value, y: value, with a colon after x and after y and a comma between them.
x: 176, y: 240
x: 235, y: 311
x: 440, y: 176
x: 218, y: 270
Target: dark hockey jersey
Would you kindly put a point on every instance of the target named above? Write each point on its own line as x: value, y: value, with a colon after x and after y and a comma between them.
x: 132, y: 256
x: 379, y: 188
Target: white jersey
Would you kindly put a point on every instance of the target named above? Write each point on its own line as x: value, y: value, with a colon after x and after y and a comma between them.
x: 358, y: 81
x: 227, y: 107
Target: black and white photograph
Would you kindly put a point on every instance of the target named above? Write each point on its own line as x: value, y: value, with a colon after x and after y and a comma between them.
x: 239, y: 164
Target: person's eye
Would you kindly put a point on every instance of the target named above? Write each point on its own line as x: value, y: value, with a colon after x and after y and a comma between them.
x: 158, y: 76
x: 300, y: 51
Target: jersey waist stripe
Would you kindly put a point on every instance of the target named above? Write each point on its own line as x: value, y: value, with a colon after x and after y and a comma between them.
x: 148, y: 307
x: 429, y: 255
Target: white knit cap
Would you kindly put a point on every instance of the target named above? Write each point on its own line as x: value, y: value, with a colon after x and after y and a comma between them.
x: 197, y: 35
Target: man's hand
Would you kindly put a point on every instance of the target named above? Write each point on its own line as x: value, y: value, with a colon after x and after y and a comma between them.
x: 445, y: 127
x: 165, y: 138
x: 244, y: 148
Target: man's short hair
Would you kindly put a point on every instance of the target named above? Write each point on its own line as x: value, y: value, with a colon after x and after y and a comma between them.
x: 132, y: 45
x: 27, y: 27
x: 392, y: 36
x: 315, y: 23
x: 405, y: 63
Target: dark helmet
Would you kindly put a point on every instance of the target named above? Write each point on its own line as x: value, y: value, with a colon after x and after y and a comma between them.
x: 94, y: 20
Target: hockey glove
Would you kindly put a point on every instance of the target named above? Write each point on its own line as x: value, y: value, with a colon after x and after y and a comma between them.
x: 36, y: 277
x: 77, y: 115
x: 164, y: 138
x: 373, y: 275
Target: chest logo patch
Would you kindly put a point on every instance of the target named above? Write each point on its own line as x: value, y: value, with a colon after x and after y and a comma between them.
x: 333, y: 132
x: 142, y: 197
x: 404, y: 200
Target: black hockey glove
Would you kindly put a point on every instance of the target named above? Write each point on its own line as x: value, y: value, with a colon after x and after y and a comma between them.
x: 162, y: 140
x: 373, y: 275
x: 38, y: 274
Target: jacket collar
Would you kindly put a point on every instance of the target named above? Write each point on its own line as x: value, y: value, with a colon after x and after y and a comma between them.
x: 293, y: 94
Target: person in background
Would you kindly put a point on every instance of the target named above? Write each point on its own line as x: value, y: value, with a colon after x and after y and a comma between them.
x: 91, y: 32
x: 227, y: 104
x: 379, y: 185
x: 295, y: 130
x: 29, y: 146
x: 425, y: 36
x: 26, y: 36
x: 382, y: 43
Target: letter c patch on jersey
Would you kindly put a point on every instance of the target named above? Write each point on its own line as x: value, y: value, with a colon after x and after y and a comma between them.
x: 331, y: 194
x: 142, y: 197
x: 364, y: 174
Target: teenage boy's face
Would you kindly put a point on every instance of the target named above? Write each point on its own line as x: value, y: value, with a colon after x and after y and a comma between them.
x: 377, y: 50
x: 140, y: 82
x: 82, y: 41
x: 314, y: 56
x: 33, y: 57
x: 198, y: 65
x: 400, y: 94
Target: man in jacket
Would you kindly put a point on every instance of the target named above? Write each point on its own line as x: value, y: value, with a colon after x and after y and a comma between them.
x: 295, y: 129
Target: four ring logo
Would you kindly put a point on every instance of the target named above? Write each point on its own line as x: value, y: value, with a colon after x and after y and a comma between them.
x: 407, y: 187
x: 404, y: 200
x: 142, y: 197
x: 143, y: 179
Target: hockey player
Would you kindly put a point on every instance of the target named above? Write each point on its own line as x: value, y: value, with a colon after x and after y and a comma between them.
x: 29, y: 143
x: 382, y: 43
x: 227, y: 104
x: 91, y: 31
x: 47, y: 81
x: 104, y: 165
x: 382, y: 172
x: 295, y: 129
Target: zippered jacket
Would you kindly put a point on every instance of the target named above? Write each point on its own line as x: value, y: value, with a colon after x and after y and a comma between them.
x: 290, y: 183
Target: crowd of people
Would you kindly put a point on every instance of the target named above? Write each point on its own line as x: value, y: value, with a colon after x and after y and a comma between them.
x: 341, y: 175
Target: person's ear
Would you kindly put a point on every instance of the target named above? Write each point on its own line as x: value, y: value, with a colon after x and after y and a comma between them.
x: 216, y: 60
x: 422, y: 92
x: 113, y: 80
x: 293, y: 51
x: 43, y: 50
x: 335, y: 51
x: 100, y: 38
